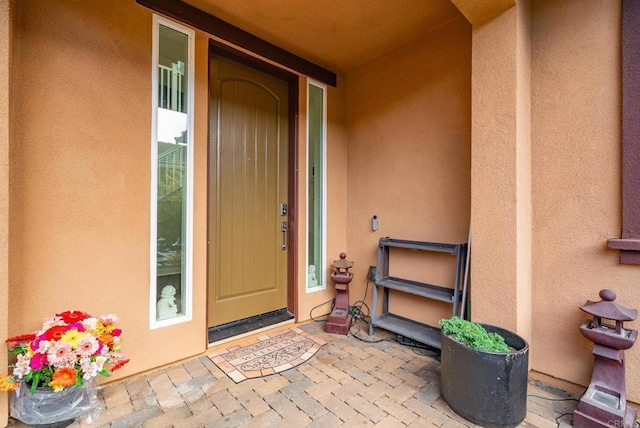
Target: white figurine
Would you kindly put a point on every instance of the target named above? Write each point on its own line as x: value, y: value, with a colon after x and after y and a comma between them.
x: 166, y: 307
x: 312, y: 280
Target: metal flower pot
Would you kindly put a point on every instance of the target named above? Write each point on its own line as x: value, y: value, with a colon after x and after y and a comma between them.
x: 486, y: 388
x: 46, y: 408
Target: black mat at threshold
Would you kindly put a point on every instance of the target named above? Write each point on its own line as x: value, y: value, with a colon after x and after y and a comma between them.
x: 245, y: 325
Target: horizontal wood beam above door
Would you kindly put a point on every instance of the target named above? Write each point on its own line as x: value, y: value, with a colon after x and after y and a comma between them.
x: 204, y: 21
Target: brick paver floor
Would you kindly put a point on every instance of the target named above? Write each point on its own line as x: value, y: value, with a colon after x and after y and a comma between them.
x: 348, y: 383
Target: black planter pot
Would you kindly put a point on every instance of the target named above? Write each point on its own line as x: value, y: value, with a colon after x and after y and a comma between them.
x: 62, y: 424
x: 486, y: 388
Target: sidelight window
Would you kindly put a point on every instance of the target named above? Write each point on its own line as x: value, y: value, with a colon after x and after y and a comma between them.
x: 171, y: 173
x: 316, y: 185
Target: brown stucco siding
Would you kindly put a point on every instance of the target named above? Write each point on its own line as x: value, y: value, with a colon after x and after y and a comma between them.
x: 408, y: 124
x: 576, y: 181
x: 401, y: 146
x: 5, y: 60
x: 80, y: 156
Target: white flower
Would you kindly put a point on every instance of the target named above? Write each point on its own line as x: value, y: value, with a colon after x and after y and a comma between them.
x: 109, y: 319
x: 22, y: 367
x: 52, y: 322
x: 105, y: 351
x: 100, y: 361
x: 89, y: 323
x: 43, y: 347
x: 89, y: 368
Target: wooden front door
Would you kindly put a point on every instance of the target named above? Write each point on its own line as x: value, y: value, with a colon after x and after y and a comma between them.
x: 248, y: 184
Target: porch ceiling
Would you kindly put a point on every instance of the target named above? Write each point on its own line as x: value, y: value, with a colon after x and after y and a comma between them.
x: 336, y: 34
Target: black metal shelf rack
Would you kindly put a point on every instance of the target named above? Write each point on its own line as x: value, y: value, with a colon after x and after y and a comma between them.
x: 420, y: 332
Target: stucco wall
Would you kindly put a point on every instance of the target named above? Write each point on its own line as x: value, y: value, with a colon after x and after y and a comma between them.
x: 576, y: 181
x: 399, y: 147
x: 80, y: 156
x: 408, y: 124
x: 5, y: 48
x: 499, y: 191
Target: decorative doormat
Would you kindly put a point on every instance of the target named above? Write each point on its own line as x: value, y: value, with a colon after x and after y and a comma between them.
x: 267, y: 355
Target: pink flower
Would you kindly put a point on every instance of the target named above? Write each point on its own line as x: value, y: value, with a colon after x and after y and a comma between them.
x: 52, y: 321
x: 38, y: 361
x: 40, y: 345
x: 77, y: 325
x: 109, y: 319
x: 60, y: 354
x: 87, y: 346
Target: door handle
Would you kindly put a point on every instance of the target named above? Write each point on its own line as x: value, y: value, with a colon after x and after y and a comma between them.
x: 284, y: 228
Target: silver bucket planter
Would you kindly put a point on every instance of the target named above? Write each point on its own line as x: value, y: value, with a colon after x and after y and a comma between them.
x: 46, y: 408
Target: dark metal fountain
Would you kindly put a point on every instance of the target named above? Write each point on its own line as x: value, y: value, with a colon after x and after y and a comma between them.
x: 604, y: 404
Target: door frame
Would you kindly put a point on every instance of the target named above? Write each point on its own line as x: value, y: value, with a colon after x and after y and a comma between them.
x: 220, y: 49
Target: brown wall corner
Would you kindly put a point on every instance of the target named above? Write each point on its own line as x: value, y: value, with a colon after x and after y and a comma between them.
x: 5, y: 44
x: 501, y: 173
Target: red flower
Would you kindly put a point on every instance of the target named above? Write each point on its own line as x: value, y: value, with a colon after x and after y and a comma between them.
x: 119, y: 365
x: 55, y: 332
x: 116, y: 332
x: 21, y: 338
x: 73, y: 316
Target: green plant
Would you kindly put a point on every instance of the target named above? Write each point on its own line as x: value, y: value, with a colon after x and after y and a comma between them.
x: 473, y: 335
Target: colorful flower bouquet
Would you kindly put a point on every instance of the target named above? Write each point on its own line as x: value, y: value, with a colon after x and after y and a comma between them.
x: 71, y: 348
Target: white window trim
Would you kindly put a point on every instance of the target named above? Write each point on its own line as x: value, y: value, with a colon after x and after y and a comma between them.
x: 323, y: 286
x: 188, y: 298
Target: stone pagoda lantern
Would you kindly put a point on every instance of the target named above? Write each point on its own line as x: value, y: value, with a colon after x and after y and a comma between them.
x: 604, y: 404
x: 339, y: 320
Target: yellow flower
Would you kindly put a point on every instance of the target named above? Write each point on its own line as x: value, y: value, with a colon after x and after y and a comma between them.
x: 8, y: 383
x: 72, y: 337
x: 102, y: 328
